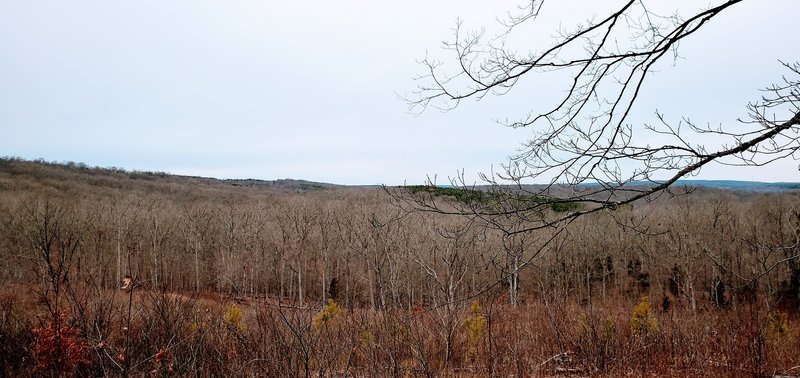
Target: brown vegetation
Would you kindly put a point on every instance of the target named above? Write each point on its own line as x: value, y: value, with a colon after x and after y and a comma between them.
x: 251, y: 280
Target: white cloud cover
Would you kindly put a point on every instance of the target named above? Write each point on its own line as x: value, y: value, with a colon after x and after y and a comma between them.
x: 269, y: 89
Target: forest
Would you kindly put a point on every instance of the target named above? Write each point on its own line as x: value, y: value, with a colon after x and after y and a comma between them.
x: 109, y: 272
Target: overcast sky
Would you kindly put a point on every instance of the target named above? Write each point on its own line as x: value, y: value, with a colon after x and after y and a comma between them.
x: 307, y: 89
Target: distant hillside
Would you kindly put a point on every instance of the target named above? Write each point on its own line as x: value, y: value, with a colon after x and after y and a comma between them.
x: 16, y: 173
x: 743, y: 186
x: 283, y: 184
x: 749, y: 186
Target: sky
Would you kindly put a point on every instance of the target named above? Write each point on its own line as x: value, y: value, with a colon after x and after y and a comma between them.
x: 309, y: 90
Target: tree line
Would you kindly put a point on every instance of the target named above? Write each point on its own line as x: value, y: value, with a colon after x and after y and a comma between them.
x: 355, y: 247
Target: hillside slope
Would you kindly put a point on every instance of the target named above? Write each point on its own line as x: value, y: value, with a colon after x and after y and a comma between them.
x: 22, y: 175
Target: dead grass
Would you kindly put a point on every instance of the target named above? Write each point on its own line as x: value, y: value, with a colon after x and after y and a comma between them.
x: 177, y: 334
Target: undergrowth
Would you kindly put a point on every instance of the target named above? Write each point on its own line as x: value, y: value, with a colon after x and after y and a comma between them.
x: 188, y: 335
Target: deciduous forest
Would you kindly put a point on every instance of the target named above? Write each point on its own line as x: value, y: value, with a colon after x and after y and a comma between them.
x: 105, y: 271
x: 583, y: 254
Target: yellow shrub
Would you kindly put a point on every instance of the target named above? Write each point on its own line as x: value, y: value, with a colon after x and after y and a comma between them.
x: 327, y: 314
x: 643, y: 321
x: 475, y: 325
x: 777, y: 324
x: 234, y: 316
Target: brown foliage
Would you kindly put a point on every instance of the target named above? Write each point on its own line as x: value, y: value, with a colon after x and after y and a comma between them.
x: 718, y: 267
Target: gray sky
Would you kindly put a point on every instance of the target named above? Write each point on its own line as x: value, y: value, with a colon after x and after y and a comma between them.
x: 267, y: 89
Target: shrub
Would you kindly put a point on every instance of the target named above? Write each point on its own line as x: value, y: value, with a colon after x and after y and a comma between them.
x: 327, y: 314
x: 234, y: 316
x: 58, y: 348
x: 777, y: 324
x: 476, y: 324
x: 643, y: 321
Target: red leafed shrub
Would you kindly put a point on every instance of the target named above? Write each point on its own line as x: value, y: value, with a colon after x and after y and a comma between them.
x: 59, y: 347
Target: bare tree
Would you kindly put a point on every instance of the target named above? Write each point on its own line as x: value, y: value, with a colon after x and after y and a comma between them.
x: 55, y: 236
x: 195, y: 225
x: 585, y: 135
